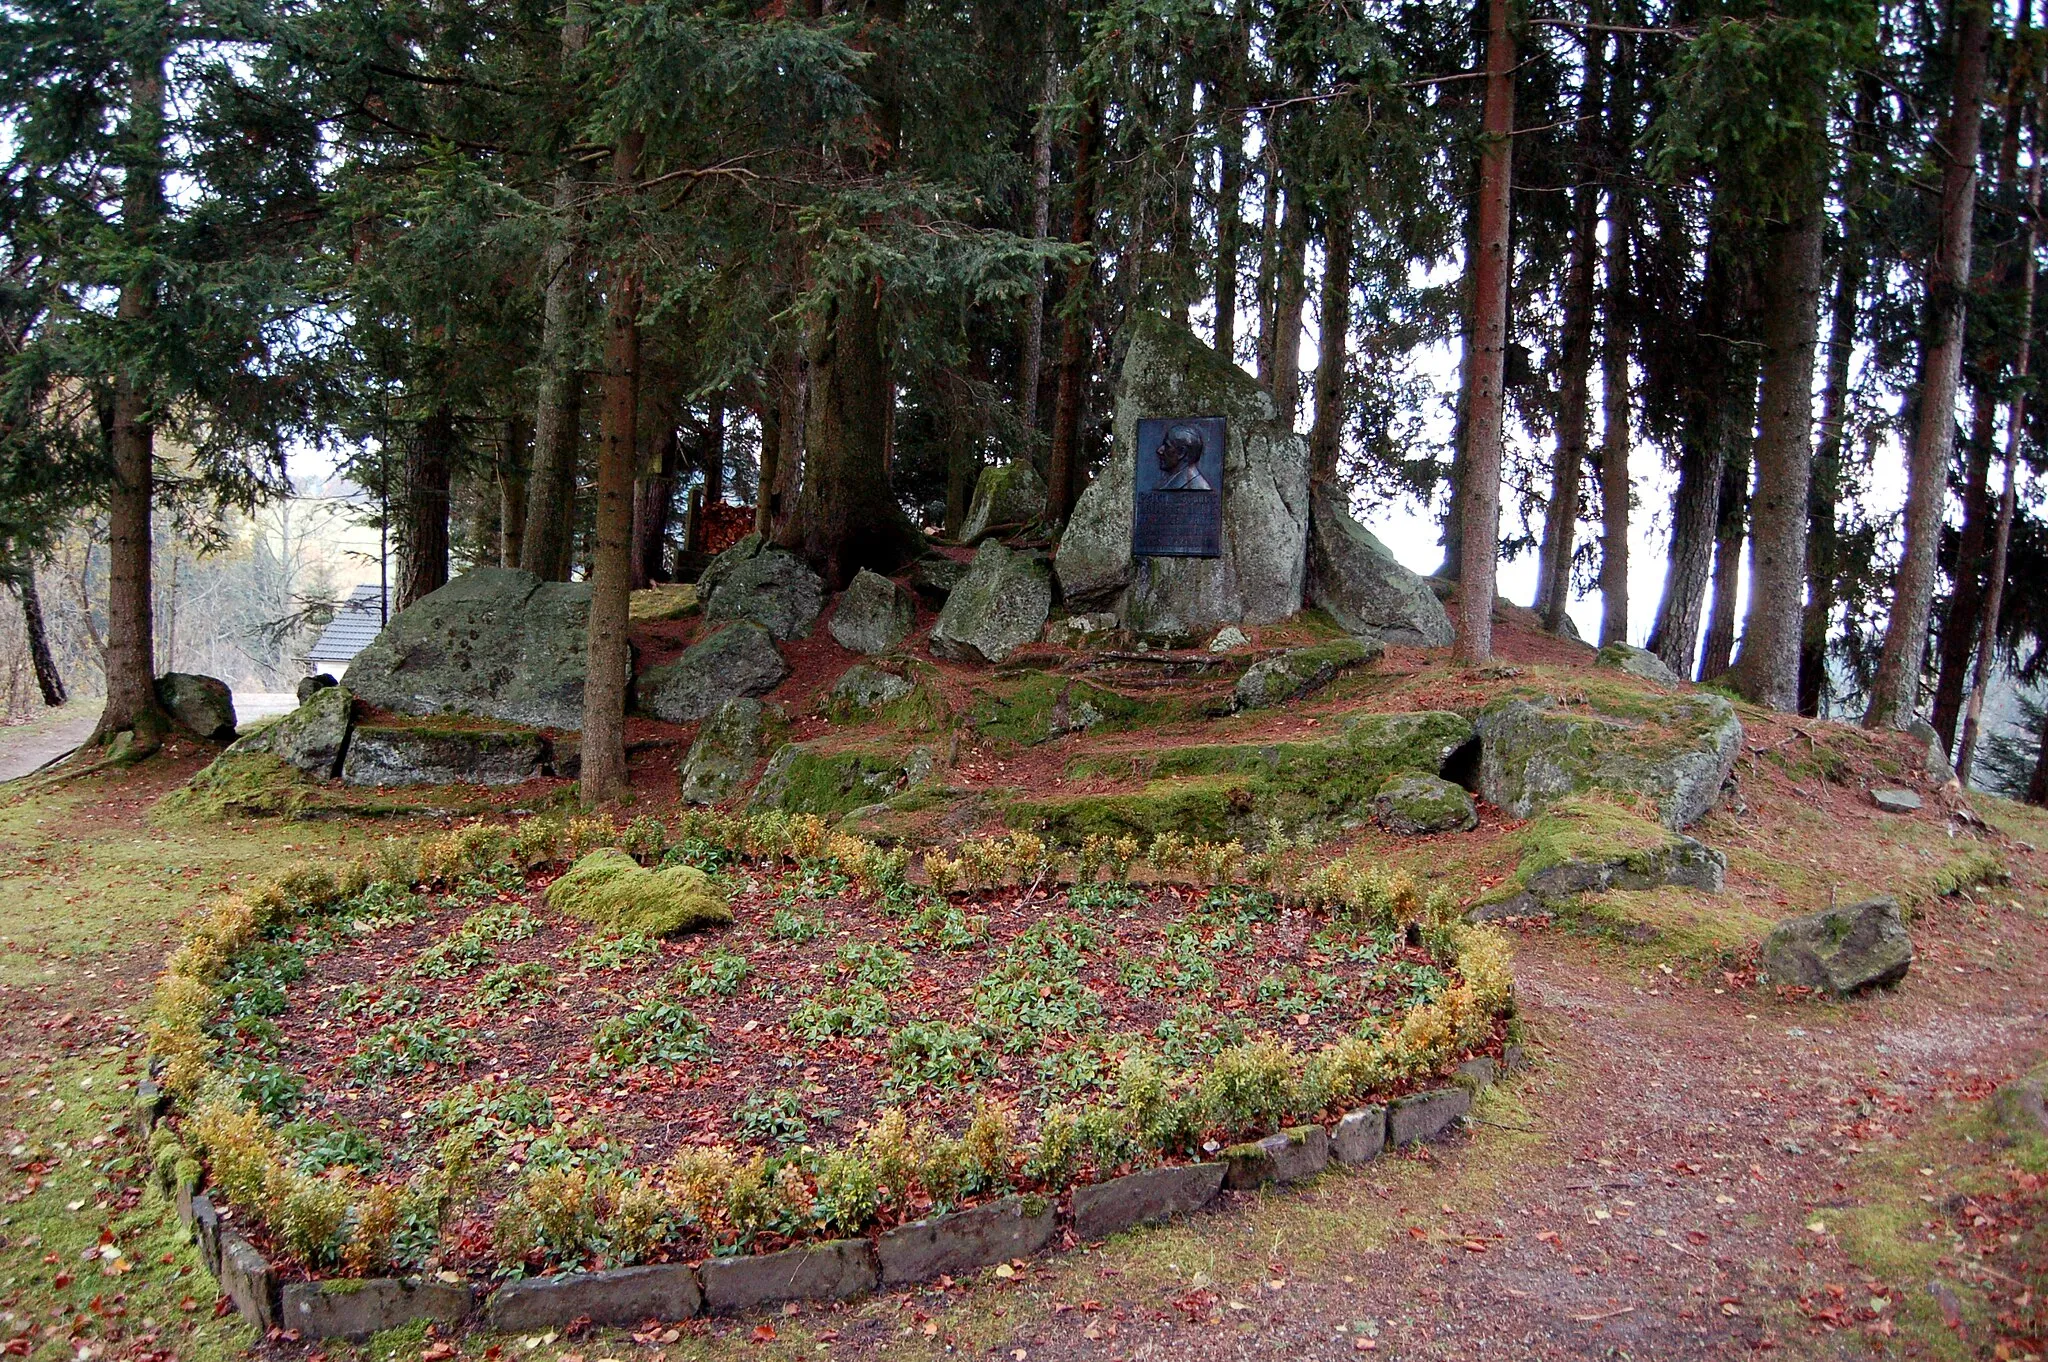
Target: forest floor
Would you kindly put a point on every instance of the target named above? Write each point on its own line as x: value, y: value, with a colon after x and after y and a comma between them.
x: 1695, y: 1166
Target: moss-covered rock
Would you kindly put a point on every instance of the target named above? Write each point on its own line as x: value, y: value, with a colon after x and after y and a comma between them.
x: 1416, y: 803
x: 1590, y: 844
x: 998, y: 607
x: 1356, y: 578
x: 727, y: 747
x: 873, y: 616
x: 312, y: 738
x: 260, y: 785
x: 614, y: 893
x: 1211, y: 808
x: 1037, y: 707
x: 867, y: 687
x: 441, y: 754
x: 1007, y: 496
x: 808, y: 778
x: 201, y: 705
x: 772, y: 587
x: 1301, y: 671
x: 1676, y: 749
x: 740, y: 659
x: 1637, y: 662
x: 1841, y: 949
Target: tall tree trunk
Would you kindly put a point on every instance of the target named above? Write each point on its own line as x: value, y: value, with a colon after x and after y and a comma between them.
x: 1823, y: 570
x: 2015, y: 429
x: 1288, y: 304
x: 1076, y: 333
x: 48, y: 679
x: 1731, y: 527
x: 1028, y: 380
x: 654, y: 495
x: 1269, y: 246
x: 1575, y: 355
x: 1615, y: 485
x: 2037, y: 786
x: 1767, y: 670
x: 1453, y: 539
x: 1966, y: 600
x: 131, y: 704
x: 429, y: 476
x: 784, y: 400
x: 558, y: 408
x: 1485, y: 404
x: 714, y: 451
x: 1326, y: 436
x: 1895, y: 692
x: 1229, y: 224
x: 1695, y: 504
x: 514, y: 456
x: 603, y: 774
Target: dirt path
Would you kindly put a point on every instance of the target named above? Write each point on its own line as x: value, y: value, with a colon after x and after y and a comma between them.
x: 28, y: 746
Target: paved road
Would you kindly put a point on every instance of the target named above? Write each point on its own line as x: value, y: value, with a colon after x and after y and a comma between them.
x: 28, y: 746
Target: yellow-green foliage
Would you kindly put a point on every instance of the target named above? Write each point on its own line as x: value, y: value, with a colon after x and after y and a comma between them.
x: 1592, y: 827
x: 1979, y: 865
x: 611, y: 891
x: 1369, y: 892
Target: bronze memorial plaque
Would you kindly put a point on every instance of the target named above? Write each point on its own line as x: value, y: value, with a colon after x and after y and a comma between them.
x: 1179, y: 497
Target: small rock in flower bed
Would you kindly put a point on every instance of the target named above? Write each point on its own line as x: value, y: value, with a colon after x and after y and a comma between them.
x: 610, y: 890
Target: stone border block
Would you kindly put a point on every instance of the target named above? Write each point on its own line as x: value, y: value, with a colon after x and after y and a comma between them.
x: 1103, y: 1208
x: 355, y: 1309
x: 1295, y: 1153
x: 146, y: 1109
x: 206, y: 1232
x: 1513, y: 1058
x: 1479, y: 1071
x: 1425, y: 1115
x: 1360, y: 1135
x: 621, y: 1297
x: 248, y: 1280
x: 833, y: 1271
x: 1015, y: 1227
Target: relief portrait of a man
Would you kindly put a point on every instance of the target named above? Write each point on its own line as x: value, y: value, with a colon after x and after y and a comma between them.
x: 1180, y: 459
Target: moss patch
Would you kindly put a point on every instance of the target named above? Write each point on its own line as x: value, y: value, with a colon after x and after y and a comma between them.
x: 1591, y: 828
x: 258, y: 785
x: 611, y: 891
x: 1207, y: 808
x: 1037, y: 707
x: 1670, y: 923
x: 659, y: 604
x: 807, y: 778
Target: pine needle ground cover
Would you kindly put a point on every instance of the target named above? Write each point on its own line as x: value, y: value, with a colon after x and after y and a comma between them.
x: 439, y: 1063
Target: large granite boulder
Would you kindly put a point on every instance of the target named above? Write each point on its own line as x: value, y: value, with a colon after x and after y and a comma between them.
x: 1415, y: 803
x: 429, y: 754
x: 201, y: 705
x: 728, y: 745
x: 1007, y: 496
x: 805, y: 777
x: 772, y: 587
x: 312, y: 737
x: 496, y: 643
x: 1354, y: 577
x: 1259, y: 579
x: 868, y: 687
x: 740, y: 659
x: 1301, y: 671
x: 1840, y: 949
x: 1676, y: 749
x: 874, y: 614
x: 998, y: 607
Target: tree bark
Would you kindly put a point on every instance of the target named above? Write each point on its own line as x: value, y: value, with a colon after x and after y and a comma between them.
x: 1269, y: 247
x: 1229, y: 224
x: 1731, y: 527
x: 1485, y: 404
x: 550, y: 517
x: 514, y: 457
x: 1028, y: 381
x: 1326, y: 436
x: 1061, y: 473
x: 1615, y: 487
x: 1288, y: 304
x: 429, y: 476
x: 1822, y: 551
x: 1767, y: 670
x: 48, y: 679
x: 1958, y: 644
x: 131, y: 704
x: 654, y: 494
x: 1894, y: 693
x: 1695, y: 504
x: 603, y: 774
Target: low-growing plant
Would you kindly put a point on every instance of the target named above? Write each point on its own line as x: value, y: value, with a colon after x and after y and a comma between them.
x: 719, y: 974
x: 796, y: 925
x: 943, y: 925
x: 407, y: 1047
x: 935, y: 1054
x: 644, y: 839
x: 320, y: 1145
x: 656, y: 1032
x: 779, y: 1118
x: 1251, y: 1087
x: 451, y: 956
x: 594, y: 953
x: 511, y: 983
x: 839, y: 1012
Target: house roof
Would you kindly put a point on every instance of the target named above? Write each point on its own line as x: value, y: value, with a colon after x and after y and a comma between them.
x: 356, y: 621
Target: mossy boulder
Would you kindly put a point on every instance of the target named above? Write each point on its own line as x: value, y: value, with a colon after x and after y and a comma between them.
x: 771, y: 587
x: 808, y: 778
x: 1259, y: 579
x: 312, y: 738
x: 874, y: 614
x: 866, y: 687
x: 1415, y: 803
x: 496, y: 643
x: 1676, y: 749
x: 728, y: 746
x: 1640, y: 663
x: 663, y: 602
x: 998, y: 607
x: 1592, y: 844
x: 441, y: 754
x: 1007, y: 496
x: 1299, y: 672
x: 1038, y: 707
x: 201, y: 705
x: 1841, y: 949
x: 1212, y: 808
x: 614, y: 893
x: 740, y: 659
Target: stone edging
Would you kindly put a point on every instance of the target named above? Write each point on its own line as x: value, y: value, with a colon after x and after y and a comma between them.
x: 947, y: 1245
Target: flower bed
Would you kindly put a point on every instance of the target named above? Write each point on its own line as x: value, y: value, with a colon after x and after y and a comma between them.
x: 438, y: 1064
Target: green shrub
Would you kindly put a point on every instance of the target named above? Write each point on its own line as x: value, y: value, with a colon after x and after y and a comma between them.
x: 1250, y: 1087
x: 608, y: 889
